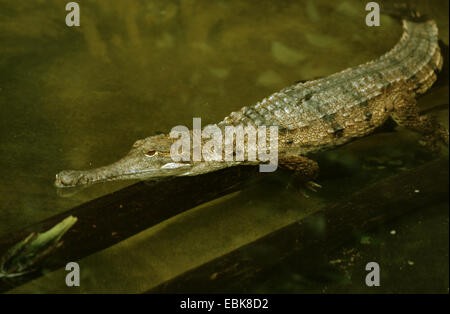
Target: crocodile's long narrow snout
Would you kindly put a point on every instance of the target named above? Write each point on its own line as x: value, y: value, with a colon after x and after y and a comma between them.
x: 116, y: 171
x: 68, y: 178
x: 129, y: 167
x: 148, y: 158
x: 71, y: 178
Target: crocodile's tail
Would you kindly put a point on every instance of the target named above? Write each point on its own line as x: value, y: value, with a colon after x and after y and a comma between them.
x: 420, y: 26
x: 429, y: 70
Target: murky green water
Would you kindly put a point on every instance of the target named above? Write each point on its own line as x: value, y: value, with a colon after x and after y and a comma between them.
x: 75, y: 98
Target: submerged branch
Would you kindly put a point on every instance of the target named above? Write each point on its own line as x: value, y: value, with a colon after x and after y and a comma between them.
x: 25, y: 256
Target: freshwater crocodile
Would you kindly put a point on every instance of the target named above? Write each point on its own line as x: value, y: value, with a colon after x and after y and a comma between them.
x: 311, y: 116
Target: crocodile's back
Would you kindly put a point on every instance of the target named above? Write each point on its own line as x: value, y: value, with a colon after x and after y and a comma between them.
x: 349, y: 104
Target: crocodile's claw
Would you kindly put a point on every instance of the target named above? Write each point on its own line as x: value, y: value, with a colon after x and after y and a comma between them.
x: 432, y: 142
x: 312, y: 186
x: 305, y: 187
x: 308, y: 186
x: 24, y: 256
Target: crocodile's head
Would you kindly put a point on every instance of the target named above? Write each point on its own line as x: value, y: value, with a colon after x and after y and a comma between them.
x: 149, y: 158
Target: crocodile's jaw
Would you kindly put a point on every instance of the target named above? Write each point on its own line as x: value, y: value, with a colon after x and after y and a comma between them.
x: 148, y: 158
x: 128, y: 168
x: 137, y: 165
x: 72, y: 178
x: 116, y: 171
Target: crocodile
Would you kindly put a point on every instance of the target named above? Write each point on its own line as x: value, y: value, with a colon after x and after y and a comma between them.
x: 311, y: 116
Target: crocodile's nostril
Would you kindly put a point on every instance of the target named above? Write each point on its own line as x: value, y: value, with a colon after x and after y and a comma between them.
x: 67, y: 178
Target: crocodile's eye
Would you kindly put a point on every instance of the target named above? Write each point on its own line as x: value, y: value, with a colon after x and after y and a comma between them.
x: 150, y: 153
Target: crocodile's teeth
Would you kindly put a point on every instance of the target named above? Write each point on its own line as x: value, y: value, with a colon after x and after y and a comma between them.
x: 174, y: 165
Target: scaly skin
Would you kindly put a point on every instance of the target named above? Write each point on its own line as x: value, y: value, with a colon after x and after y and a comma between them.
x: 312, y: 116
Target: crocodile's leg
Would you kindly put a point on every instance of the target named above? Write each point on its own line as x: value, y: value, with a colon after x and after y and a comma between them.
x: 406, y: 113
x: 304, y: 171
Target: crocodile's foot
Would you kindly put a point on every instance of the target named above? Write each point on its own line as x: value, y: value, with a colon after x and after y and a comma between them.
x: 406, y: 113
x: 313, y: 186
x: 306, y: 187
x: 433, y: 141
x: 303, y: 188
x: 304, y: 171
